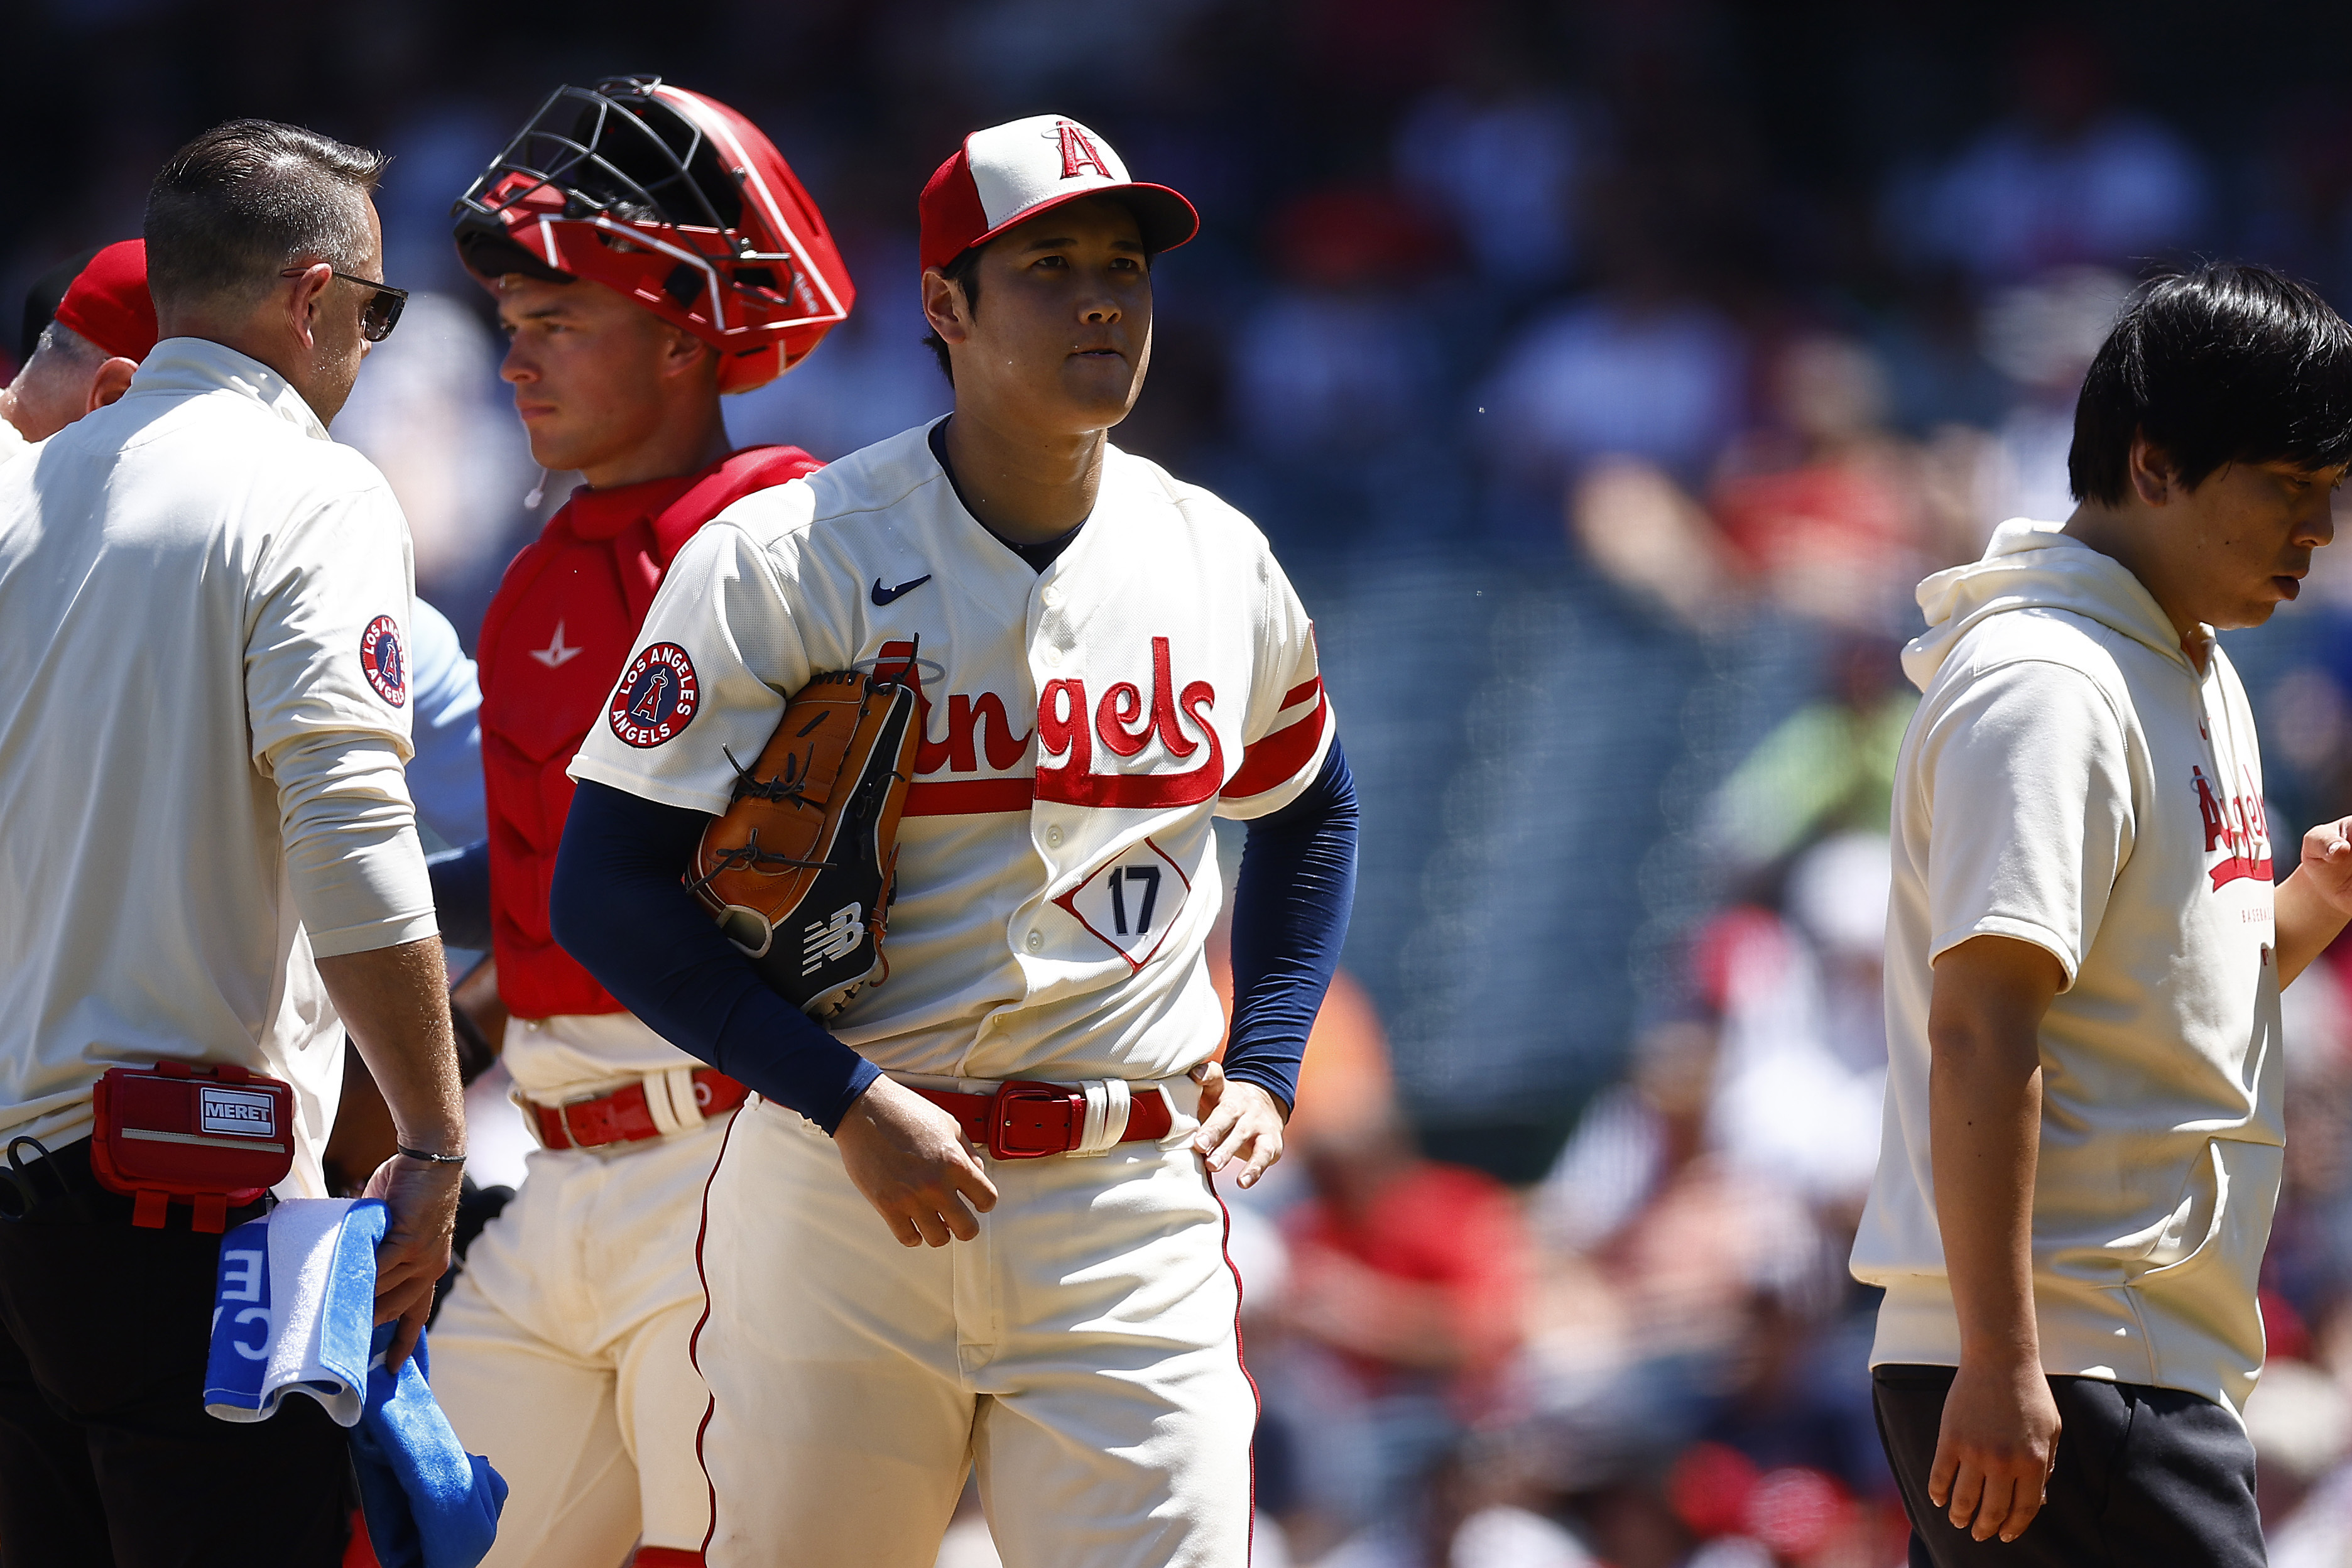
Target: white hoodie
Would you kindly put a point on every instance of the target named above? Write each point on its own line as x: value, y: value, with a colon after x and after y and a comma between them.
x: 2072, y: 781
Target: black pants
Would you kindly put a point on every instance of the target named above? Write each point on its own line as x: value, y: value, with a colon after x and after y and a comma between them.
x: 2144, y: 1476
x: 107, y: 1457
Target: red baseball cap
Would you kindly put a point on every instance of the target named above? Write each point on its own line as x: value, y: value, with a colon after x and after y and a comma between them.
x: 108, y: 303
x: 1012, y: 172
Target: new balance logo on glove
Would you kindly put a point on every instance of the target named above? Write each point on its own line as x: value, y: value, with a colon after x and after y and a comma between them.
x: 833, y: 938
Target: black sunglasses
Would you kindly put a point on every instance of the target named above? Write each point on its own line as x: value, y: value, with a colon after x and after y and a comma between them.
x: 380, y: 313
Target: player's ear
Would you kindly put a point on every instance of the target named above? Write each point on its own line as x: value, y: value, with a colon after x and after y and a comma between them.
x: 945, y: 307
x: 113, y: 379
x: 686, y: 353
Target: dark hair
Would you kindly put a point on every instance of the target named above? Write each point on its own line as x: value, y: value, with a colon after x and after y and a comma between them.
x: 964, y: 273
x: 2230, y: 362
x: 249, y: 198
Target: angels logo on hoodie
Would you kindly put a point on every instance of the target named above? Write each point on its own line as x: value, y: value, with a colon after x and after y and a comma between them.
x: 2240, y: 826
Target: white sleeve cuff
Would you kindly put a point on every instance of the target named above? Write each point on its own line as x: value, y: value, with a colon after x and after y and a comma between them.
x: 352, y: 857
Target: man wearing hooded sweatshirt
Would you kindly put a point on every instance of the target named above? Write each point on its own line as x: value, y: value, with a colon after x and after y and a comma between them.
x: 2085, y: 950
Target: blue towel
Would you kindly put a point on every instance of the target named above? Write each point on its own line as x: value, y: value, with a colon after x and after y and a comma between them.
x: 429, y: 1503
x: 294, y: 1312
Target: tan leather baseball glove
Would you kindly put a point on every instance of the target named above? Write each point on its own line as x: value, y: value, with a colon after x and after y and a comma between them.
x: 799, y: 872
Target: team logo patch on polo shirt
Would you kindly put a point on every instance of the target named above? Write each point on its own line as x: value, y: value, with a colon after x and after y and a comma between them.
x: 657, y: 697
x: 384, y: 660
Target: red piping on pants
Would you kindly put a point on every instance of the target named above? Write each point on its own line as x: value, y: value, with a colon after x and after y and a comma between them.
x: 693, y: 1356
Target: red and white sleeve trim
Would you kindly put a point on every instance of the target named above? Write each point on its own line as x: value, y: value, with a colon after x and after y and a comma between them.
x: 1275, y: 769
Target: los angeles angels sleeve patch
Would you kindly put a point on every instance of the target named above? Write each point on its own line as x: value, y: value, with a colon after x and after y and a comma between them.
x: 657, y: 697
x: 385, y: 661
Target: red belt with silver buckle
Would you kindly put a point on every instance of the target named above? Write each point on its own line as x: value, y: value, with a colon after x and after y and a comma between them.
x: 1027, y: 1120
x: 624, y: 1116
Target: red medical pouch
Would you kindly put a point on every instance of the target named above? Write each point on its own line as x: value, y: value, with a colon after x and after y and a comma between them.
x: 217, y: 1136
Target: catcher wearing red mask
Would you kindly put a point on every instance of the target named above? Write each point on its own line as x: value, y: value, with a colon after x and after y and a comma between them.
x: 650, y: 250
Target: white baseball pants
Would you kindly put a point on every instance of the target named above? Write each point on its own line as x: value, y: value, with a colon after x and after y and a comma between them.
x: 1081, y: 1352
x: 561, y: 1353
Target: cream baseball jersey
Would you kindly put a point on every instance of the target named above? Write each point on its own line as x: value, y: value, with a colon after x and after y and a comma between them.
x: 1056, y: 874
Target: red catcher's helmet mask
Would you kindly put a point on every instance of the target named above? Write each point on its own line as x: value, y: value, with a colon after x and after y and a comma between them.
x: 678, y: 202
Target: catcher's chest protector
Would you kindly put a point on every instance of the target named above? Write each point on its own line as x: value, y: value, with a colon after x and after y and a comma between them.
x: 799, y: 870
x: 553, y: 641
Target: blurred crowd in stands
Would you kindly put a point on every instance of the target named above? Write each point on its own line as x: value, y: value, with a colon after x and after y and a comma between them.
x: 1607, y: 373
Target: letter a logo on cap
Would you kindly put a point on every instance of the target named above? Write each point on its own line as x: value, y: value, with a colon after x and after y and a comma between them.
x: 1079, y: 153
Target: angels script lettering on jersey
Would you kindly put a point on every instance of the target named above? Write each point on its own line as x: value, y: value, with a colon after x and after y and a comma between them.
x: 1067, y: 727
x: 1070, y: 720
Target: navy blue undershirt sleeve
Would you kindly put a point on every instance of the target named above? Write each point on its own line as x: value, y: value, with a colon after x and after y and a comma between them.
x: 619, y: 906
x: 461, y: 894
x: 1291, y: 900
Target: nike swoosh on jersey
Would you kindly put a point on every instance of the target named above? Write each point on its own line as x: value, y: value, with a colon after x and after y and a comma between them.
x: 884, y: 595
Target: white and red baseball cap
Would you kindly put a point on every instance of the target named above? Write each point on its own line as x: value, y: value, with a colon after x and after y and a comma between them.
x: 1012, y: 172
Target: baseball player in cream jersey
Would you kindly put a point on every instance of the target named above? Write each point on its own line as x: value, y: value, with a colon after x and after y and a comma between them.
x: 1109, y: 658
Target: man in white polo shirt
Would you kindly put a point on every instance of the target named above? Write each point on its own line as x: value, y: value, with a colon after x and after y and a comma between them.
x: 208, y: 854
x: 2085, y: 950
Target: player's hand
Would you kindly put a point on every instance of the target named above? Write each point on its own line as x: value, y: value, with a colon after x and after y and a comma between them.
x: 910, y: 1159
x: 1996, y: 1446
x: 2327, y: 863
x: 414, y: 1252
x: 1239, y: 1120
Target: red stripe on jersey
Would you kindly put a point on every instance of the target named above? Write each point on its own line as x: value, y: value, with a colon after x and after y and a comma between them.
x: 1298, y: 694
x: 1278, y: 759
x: 1134, y: 792
x: 967, y: 797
